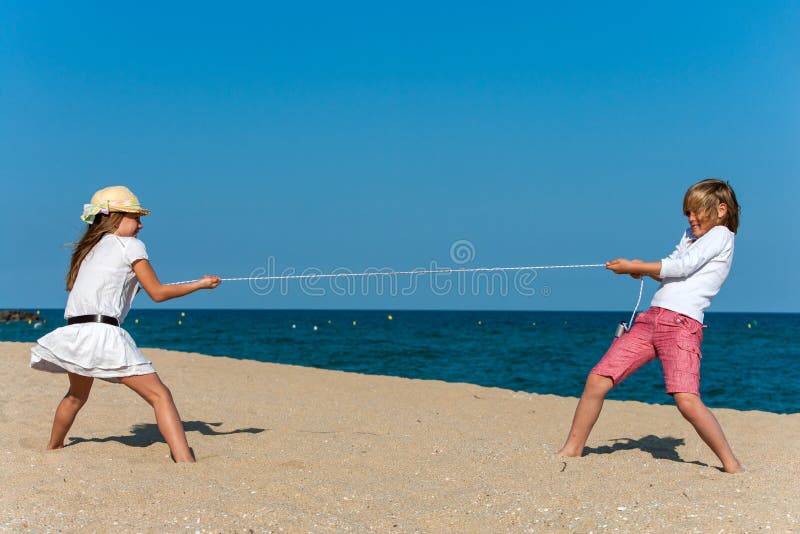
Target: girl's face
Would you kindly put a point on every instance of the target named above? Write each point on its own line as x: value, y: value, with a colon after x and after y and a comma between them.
x: 701, y: 223
x: 129, y: 226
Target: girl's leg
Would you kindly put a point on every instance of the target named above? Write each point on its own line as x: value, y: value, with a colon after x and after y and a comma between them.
x: 73, y: 401
x: 707, y: 426
x: 153, y: 390
x: 586, y: 414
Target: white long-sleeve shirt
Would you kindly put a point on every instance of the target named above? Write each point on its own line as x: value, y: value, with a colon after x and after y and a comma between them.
x: 695, y: 272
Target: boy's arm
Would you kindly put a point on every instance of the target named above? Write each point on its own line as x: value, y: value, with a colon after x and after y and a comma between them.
x: 717, y: 241
x: 657, y: 278
x: 635, y: 268
x: 714, y: 242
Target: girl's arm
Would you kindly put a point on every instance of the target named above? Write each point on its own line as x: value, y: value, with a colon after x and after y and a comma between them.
x: 160, y: 292
x: 636, y: 268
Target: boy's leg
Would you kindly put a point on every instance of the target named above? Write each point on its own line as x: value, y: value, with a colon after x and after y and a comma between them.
x: 73, y: 401
x: 709, y: 429
x: 678, y: 343
x: 586, y: 414
x: 625, y: 356
x: 153, y: 390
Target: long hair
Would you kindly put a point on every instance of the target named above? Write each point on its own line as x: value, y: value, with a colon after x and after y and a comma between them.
x: 704, y: 197
x: 102, y: 225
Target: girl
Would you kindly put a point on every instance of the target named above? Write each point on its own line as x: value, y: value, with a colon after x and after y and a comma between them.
x: 107, y: 265
x: 672, y: 329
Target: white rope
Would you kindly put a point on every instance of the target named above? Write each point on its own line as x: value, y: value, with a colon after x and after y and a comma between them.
x: 638, y: 301
x: 418, y: 272
x: 401, y: 273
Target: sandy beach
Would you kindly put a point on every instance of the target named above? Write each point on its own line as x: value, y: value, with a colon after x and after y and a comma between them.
x: 292, y: 449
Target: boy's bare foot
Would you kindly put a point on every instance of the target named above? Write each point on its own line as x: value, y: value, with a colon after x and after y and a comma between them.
x: 189, y: 460
x: 738, y: 468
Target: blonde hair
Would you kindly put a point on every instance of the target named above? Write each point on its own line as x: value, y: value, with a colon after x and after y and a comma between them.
x: 103, y: 224
x: 704, y: 197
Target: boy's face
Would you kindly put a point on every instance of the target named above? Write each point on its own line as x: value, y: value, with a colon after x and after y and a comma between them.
x: 702, y: 222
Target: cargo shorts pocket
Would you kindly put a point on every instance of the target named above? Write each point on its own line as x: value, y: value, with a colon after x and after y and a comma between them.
x: 688, y: 355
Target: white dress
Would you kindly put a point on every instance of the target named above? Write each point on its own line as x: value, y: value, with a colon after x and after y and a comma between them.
x: 106, y: 284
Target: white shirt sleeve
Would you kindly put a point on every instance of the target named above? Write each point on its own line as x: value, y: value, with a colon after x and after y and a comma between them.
x: 680, y: 246
x: 698, y: 254
x: 133, y: 250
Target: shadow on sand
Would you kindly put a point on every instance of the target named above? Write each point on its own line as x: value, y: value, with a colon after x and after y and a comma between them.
x: 145, y: 434
x: 659, y: 448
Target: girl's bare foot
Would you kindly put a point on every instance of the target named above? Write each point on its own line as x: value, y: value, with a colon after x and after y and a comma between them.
x: 569, y: 453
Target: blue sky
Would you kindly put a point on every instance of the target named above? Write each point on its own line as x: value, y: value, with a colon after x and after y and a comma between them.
x: 374, y: 135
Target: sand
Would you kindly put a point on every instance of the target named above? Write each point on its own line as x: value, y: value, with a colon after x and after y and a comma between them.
x: 292, y: 449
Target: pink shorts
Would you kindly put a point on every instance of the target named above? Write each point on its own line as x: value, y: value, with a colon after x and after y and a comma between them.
x: 673, y: 338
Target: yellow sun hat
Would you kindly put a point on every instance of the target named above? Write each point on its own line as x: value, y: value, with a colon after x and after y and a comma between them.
x: 116, y: 198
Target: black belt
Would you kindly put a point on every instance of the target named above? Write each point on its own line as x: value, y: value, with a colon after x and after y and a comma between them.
x: 97, y: 318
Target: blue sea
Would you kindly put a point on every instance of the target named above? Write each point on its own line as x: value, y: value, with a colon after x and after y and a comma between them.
x: 750, y: 361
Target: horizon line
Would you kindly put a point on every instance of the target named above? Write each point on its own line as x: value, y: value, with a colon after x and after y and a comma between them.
x: 395, y: 310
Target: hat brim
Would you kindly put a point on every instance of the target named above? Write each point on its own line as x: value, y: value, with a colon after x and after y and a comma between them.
x: 132, y: 209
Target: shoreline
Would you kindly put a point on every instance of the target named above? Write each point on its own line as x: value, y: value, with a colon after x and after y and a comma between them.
x: 307, y: 449
x: 164, y: 307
